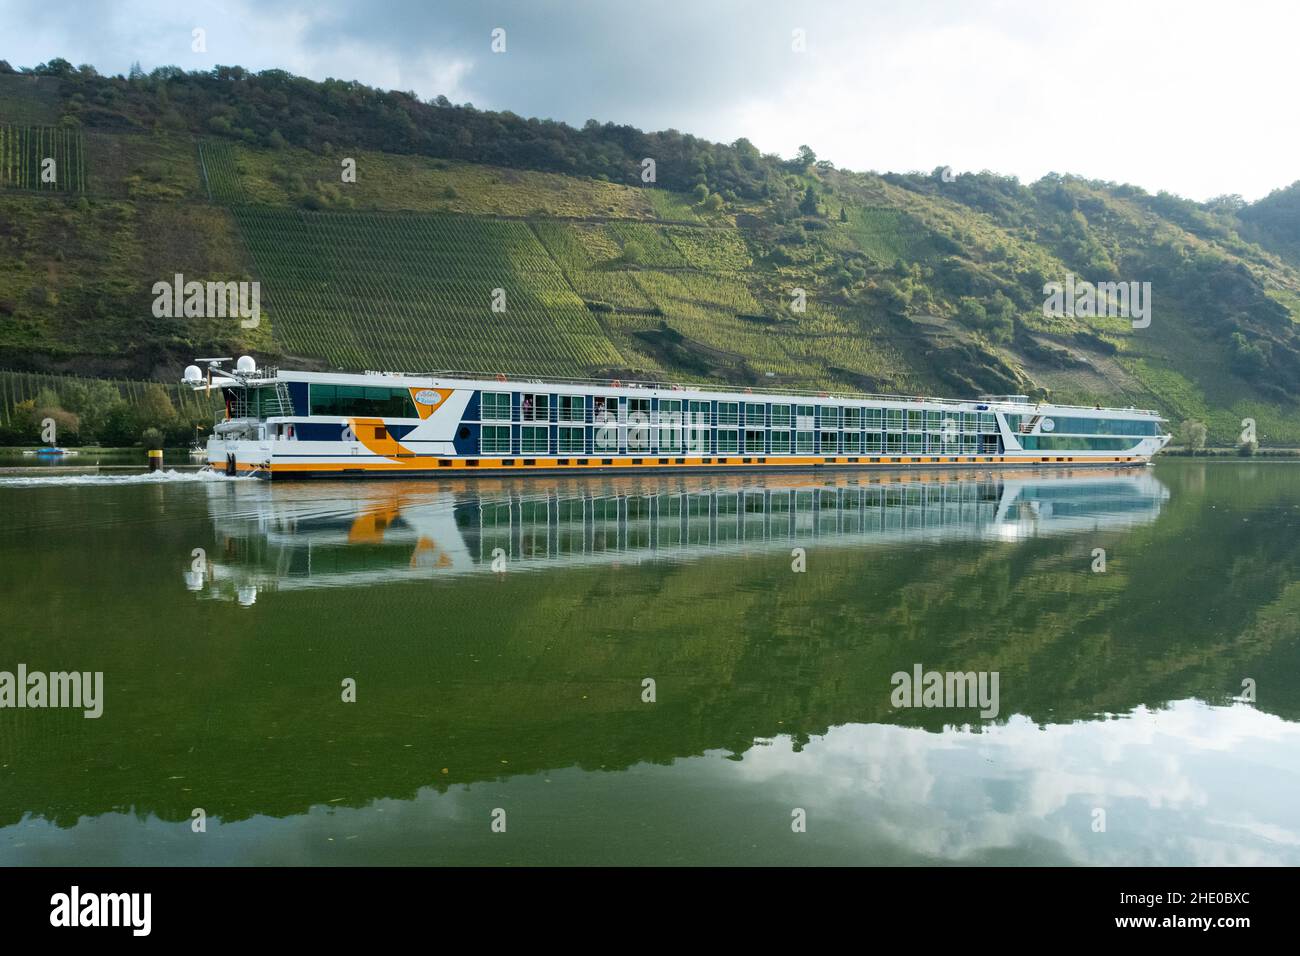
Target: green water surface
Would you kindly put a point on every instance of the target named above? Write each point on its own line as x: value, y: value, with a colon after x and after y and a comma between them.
x: 501, y: 635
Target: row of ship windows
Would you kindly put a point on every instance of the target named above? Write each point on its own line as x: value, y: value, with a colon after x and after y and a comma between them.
x: 536, y: 439
x: 1090, y: 426
x: 369, y: 401
x: 498, y: 406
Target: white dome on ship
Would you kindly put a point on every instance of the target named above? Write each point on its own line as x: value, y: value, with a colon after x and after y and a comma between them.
x: 193, y: 374
x: 246, y: 364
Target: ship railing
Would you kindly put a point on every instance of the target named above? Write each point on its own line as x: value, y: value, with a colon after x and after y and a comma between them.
x: 516, y: 383
x: 687, y: 420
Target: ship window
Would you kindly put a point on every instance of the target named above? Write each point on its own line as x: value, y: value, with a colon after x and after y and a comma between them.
x: 780, y: 441
x: 828, y: 416
x: 755, y: 415
x: 361, y: 401
x: 780, y: 416
x: 853, y: 442
x: 535, y: 439
x: 638, y: 433
x: 494, y: 440
x: 572, y: 408
x: 604, y: 408
x: 496, y: 407
x: 753, y: 439
x: 803, y: 441
x: 915, y: 420
x: 1104, y: 426
x: 728, y: 413
x: 670, y: 424
x: 535, y: 408
x: 1069, y: 443
x: 852, y: 418
x: 572, y: 440
x: 830, y: 443
x: 728, y: 440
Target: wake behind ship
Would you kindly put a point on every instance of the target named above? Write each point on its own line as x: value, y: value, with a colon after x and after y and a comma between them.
x: 284, y: 424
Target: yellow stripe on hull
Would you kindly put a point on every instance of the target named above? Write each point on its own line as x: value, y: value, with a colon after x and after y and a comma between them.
x: 515, y: 464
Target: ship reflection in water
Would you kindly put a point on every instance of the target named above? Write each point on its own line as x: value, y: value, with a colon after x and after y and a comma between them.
x: 292, y: 537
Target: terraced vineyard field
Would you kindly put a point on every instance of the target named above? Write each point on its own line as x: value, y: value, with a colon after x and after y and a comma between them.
x: 24, y: 151
x: 710, y: 249
x: 657, y: 250
x: 889, y: 234
x: 219, y: 164
x: 581, y: 251
x: 718, y: 311
x: 416, y: 291
x: 696, y: 314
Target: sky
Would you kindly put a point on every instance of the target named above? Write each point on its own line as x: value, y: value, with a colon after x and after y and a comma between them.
x: 1192, y: 97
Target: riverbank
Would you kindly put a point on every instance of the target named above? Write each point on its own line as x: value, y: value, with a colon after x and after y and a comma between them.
x: 1231, y: 452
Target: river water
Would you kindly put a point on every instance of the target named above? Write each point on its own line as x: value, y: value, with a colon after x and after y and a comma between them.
x: 664, y: 670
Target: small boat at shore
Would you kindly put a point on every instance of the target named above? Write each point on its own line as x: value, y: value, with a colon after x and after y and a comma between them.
x: 53, y: 451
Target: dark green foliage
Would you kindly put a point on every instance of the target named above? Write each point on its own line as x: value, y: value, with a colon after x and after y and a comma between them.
x: 808, y: 205
x: 229, y: 101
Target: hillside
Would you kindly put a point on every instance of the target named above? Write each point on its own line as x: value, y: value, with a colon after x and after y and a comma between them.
x: 912, y: 283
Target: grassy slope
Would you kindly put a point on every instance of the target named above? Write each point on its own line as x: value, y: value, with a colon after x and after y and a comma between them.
x: 397, y: 270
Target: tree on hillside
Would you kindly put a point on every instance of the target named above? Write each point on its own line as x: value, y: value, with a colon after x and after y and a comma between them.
x: 802, y: 159
x: 808, y: 205
x: 93, y: 402
x: 155, y: 408
x: 1191, y: 435
x: 971, y: 312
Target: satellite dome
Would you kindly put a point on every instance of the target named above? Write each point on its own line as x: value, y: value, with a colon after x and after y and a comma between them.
x: 246, y: 364
x: 192, y: 374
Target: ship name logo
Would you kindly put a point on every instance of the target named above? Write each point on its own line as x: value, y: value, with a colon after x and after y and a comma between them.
x: 428, y: 396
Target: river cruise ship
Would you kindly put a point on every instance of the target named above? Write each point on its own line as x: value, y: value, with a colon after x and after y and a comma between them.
x: 284, y: 424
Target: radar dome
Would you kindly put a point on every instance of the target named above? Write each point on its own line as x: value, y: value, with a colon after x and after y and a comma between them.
x: 245, y: 364
x: 192, y: 374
